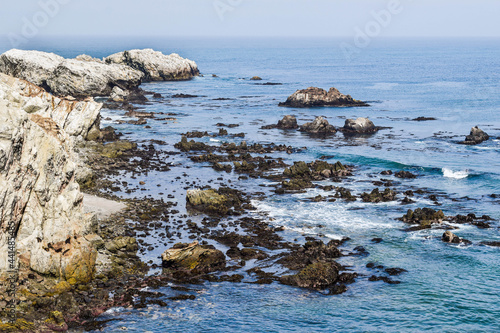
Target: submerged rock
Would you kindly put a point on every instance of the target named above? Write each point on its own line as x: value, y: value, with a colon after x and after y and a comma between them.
x: 194, y: 258
x: 360, y: 126
x: 155, y: 65
x: 68, y: 77
x: 319, y: 126
x: 313, y: 96
x: 475, y: 137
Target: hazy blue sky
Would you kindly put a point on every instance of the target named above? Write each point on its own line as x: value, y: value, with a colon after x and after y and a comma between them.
x: 251, y: 17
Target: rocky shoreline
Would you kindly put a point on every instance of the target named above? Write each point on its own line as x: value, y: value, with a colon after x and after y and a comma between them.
x: 74, y: 267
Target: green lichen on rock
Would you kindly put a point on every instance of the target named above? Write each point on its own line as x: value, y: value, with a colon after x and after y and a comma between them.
x: 117, y: 148
x: 194, y: 258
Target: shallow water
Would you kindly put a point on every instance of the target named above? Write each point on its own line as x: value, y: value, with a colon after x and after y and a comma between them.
x: 447, y: 288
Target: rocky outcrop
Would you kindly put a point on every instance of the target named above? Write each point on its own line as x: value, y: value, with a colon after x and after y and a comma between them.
x: 38, y: 192
x: 313, y: 96
x: 475, y: 137
x: 359, y: 126
x: 288, y: 122
x: 77, y: 118
x: 193, y: 258
x: 450, y: 237
x: 320, y: 126
x: 68, y: 77
x: 155, y: 65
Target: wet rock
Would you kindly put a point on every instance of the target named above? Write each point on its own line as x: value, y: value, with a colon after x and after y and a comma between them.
x: 491, y: 243
x: 319, y: 126
x: 185, y: 145
x: 395, y: 271
x: 405, y: 174
x: 423, y: 119
x: 288, y: 122
x: 424, y: 217
x: 313, y: 96
x: 184, y: 96
x: 450, y: 237
x: 155, y: 65
x: 194, y: 258
x: 377, y: 196
x: 318, y: 276
x: 475, y: 137
x: 311, y: 252
x: 117, y: 148
x: 359, y: 126
x: 256, y: 78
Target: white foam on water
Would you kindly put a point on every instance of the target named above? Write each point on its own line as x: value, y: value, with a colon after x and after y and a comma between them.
x: 448, y: 173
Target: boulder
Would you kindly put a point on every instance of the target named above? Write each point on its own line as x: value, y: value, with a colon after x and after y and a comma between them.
x: 155, y: 65
x: 76, y: 118
x: 313, y: 96
x: 39, y: 196
x: 318, y: 276
x: 256, y: 78
x: 319, y: 126
x: 424, y: 217
x: 360, y: 126
x: 475, y: 137
x: 376, y: 196
x: 288, y: 122
x: 68, y: 77
x: 450, y: 237
x: 194, y: 258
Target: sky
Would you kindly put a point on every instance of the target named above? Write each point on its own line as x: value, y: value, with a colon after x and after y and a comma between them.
x: 260, y: 18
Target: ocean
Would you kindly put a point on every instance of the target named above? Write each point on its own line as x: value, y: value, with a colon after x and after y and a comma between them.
x: 448, y: 288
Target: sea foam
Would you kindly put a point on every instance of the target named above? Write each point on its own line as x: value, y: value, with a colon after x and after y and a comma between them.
x: 448, y: 173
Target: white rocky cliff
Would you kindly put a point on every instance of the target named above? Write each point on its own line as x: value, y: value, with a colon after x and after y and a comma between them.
x: 68, y: 77
x: 38, y: 191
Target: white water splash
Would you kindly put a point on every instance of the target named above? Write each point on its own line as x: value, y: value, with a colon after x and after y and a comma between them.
x: 448, y: 173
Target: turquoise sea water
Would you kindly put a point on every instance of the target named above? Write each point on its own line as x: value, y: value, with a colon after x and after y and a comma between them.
x: 447, y: 288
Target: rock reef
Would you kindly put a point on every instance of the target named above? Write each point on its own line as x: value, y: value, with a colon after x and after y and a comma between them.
x: 314, y: 97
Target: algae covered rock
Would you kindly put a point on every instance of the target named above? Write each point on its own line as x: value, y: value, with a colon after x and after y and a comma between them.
x: 424, y: 217
x: 194, y: 258
x: 377, y: 196
x: 206, y: 200
x: 319, y: 275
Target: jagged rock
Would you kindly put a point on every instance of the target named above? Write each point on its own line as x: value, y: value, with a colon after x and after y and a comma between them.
x: 405, y: 174
x: 319, y: 275
x: 155, y: 65
x: 194, y: 258
x: 68, y: 77
x: 313, y: 96
x: 360, y: 126
x: 475, y: 137
x: 450, y: 237
x: 288, y: 122
x: 319, y: 126
x: 424, y: 217
x: 40, y: 197
x: 376, y: 196
x: 76, y: 118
